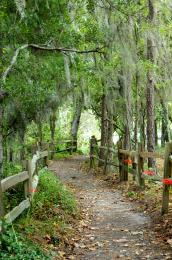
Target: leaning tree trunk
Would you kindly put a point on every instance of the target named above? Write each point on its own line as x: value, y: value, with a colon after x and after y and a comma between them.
x: 150, y: 88
x: 76, y: 122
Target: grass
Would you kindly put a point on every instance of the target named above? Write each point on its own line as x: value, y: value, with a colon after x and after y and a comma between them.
x: 54, y: 210
x: 52, y: 194
x: 48, y: 223
x: 62, y: 155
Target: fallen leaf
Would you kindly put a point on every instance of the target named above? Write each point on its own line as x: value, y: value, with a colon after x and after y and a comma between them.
x: 169, y: 241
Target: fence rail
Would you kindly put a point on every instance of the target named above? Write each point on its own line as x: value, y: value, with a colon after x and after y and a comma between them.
x: 27, y: 177
x: 133, y: 162
x: 13, y: 180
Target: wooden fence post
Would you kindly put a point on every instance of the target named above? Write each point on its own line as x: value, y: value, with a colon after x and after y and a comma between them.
x: 119, y: 145
x: 167, y: 174
x: 125, y: 167
x: 28, y: 183
x: 140, y: 166
x: 93, y: 141
x: 134, y: 167
x: 105, y: 170
x: 91, y: 153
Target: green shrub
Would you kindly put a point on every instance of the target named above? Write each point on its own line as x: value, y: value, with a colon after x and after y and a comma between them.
x: 13, y: 246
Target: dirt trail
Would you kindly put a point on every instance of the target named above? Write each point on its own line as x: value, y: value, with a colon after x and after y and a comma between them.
x: 112, y: 229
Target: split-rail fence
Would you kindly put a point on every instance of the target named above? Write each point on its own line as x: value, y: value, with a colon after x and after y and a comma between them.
x: 133, y: 162
x: 29, y: 178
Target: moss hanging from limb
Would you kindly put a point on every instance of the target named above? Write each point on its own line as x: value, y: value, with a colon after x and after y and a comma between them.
x: 67, y: 69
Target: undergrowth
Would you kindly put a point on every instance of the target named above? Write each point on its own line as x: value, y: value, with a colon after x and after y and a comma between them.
x: 13, y: 246
x: 47, y: 223
x: 62, y: 155
x: 54, y: 210
x: 11, y: 168
x: 51, y: 194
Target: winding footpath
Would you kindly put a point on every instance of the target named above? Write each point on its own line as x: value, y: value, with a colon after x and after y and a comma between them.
x: 111, y: 228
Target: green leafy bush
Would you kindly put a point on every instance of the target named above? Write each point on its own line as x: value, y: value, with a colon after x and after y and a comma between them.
x: 13, y: 246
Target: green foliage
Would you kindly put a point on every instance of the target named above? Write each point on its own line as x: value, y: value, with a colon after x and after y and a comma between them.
x: 62, y: 155
x: 53, y: 206
x: 11, y: 168
x: 52, y: 194
x: 13, y: 196
x: 131, y: 193
x: 14, y: 247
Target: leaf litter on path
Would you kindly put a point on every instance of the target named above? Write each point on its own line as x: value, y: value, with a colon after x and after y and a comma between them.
x: 110, y: 228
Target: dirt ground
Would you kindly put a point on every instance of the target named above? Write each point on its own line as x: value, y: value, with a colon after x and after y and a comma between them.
x: 110, y: 228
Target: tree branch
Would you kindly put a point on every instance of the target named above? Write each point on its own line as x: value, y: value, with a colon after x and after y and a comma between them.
x: 63, y: 49
x: 13, y: 61
x: 44, y: 48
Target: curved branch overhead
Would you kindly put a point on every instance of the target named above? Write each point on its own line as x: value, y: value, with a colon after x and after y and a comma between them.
x: 44, y: 48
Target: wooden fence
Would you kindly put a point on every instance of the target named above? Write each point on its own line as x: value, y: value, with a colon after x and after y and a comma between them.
x: 29, y: 178
x: 133, y: 162
x: 26, y: 177
x: 51, y: 147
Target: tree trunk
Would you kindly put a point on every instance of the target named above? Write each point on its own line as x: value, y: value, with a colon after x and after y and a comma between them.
x: 150, y: 88
x: 53, y: 125
x: 109, y: 154
x: 156, y: 133
x: 76, y: 122
x: 11, y: 152
x: 52, y: 130
x: 128, y: 119
x: 142, y: 126
x: 104, y: 128
x: 136, y: 112
x: 164, y: 124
